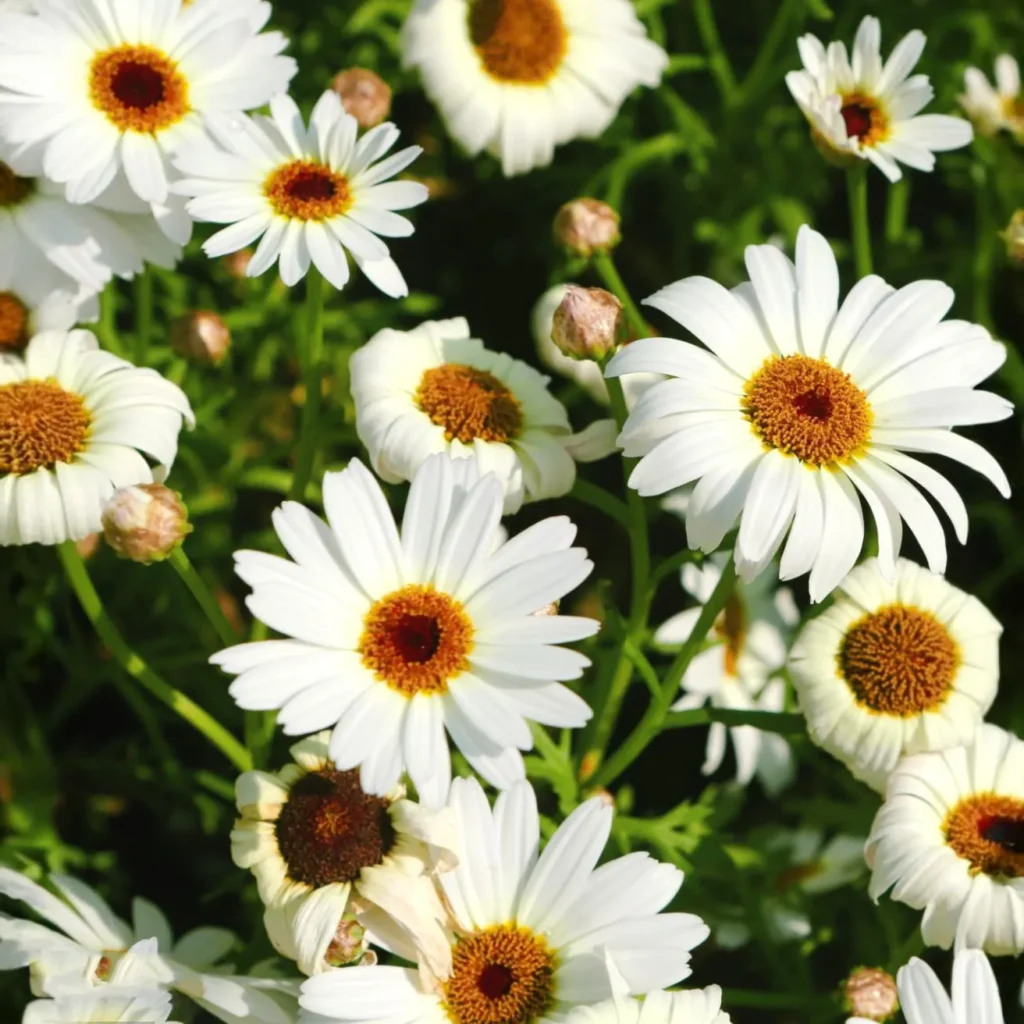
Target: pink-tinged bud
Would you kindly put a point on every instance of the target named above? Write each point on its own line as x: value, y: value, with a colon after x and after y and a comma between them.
x: 871, y: 992
x: 587, y: 226
x: 348, y: 944
x: 364, y: 94
x: 201, y: 337
x: 88, y: 545
x: 145, y: 522
x: 1014, y: 238
x: 588, y: 324
x: 237, y: 263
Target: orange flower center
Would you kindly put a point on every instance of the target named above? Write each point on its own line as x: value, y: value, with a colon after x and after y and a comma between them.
x: 521, y: 41
x: 864, y: 119
x: 139, y: 88
x: 41, y: 424
x: 306, y: 190
x: 987, y: 829
x: 13, y: 190
x: 469, y: 404
x: 13, y: 322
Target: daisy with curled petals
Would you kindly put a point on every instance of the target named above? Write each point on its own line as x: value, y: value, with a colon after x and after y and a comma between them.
x: 325, y: 853
x: 799, y: 407
x: 75, y: 425
x: 519, y: 77
x: 531, y: 936
x: 974, y: 996
x: 309, y: 195
x: 396, y: 637
x: 113, y: 1005
x: 694, y: 1006
x: 948, y: 840
x: 895, y: 666
x: 862, y: 109
x: 994, y: 109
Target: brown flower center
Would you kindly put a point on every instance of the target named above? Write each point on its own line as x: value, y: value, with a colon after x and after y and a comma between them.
x: 807, y: 408
x: 139, y: 88
x: 329, y: 830
x: 416, y: 639
x: 13, y: 322
x: 522, y: 41
x: 987, y: 829
x: 305, y: 190
x: 899, y: 661
x: 731, y: 629
x: 864, y: 119
x: 41, y: 424
x: 469, y: 404
x: 502, y: 975
x: 13, y: 189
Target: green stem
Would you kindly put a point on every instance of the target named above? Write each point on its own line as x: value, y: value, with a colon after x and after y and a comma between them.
x: 766, y: 59
x: 860, y: 231
x: 106, y: 327
x: 718, y: 60
x: 136, y: 667
x: 785, y: 723
x: 609, y: 274
x: 143, y: 315
x: 896, y: 211
x: 597, y: 497
x: 204, y: 597
x: 313, y: 351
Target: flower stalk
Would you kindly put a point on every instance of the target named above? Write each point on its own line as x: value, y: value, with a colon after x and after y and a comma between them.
x: 312, y: 350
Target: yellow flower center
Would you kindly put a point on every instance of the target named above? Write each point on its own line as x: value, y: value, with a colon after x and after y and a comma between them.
x: 469, y: 404
x: 13, y: 322
x: 521, y: 41
x: 987, y: 829
x: 139, y: 88
x: 41, y: 424
x: 306, y: 190
x: 13, y: 190
x: 1013, y: 111
x: 864, y: 119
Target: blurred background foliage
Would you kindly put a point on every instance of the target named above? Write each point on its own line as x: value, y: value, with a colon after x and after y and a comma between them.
x: 99, y: 780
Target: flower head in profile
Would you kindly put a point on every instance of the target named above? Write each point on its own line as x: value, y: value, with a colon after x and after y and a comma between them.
x: 310, y: 195
x: 799, y: 407
x: 75, y: 424
x: 532, y: 934
x: 998, y: 108
x: 860, y: 108
x: 396, y: 637
x: 114, y: 1004
x: 519, y: 77
x: 973, y: 998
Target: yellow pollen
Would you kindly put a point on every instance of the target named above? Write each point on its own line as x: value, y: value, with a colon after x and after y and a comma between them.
x: 502, y: 975
x: 987, y: 829
x: 731, y: 629
x: 13, y: 189
x: 469, y: 404
x: 416, y: 639
x: 41, y: 424
x: 306, y: 190
x: 899, y: 661
x: 139, y: 88
x: 521, y: 41
x: 806, y: 408
x: 864, y: 118
x: 13, y: 323
x: 1013, y: 111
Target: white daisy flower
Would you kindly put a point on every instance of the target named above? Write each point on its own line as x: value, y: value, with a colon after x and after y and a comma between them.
x: 309, y: 195
x: 895, y: 667
x: 397, y: 637
x: 73, y: 422
x: 324, y: 852
x: 110, y: 1005
x: 531, y: 936
x: 739, y: 670
x: 519, y: 77
x: 100, y: 87
x: 694, y: 1006
x: 800, y: 404
x: 949, y: 840
x: 864, y: 109
x: 975, y: 993
x: 992, y: 109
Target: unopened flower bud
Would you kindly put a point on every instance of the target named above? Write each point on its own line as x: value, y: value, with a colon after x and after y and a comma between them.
x: 348, y: 944
x: 145, y: 522
x: 201, y: 336
x: 587, y: 226
x: 364, y: 94
x: 1014, y: 237
x: 588, y: 324
x: 236, y: 263
x: 87, y: 545
x: 871, y: 992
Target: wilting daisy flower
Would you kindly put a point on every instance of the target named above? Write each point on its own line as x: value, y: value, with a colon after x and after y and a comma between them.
x: 948, y: 840
x: 739, y: 669
x: 324, y: 851
x: 110, y: 1005
x: 309, y: 195
x: 695, y: 1006
x: 992, y: 109
x: 864, y: 109
x: 397, y: 637
x: 100, y: 87
x: 519, y: 77
x: 975, y: 993
x: 73, y: 422
x: 802, y: 403
x: 531, y: 936
x: 895, y: 667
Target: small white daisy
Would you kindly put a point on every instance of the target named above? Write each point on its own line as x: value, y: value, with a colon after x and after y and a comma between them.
x: 992, y: 109
x: 694, y: 1006
x: 798, y: 403
x: 112, y: 1005
x: 895, y: 667
x: 974, y: 991
x: 324, y: 852
x: 531, y: 936
x: 309, y: 195
x: 739, y: 670
x: 398, y: 637
x: 864, y: 109
x: 519, y: 77
x: 73, y: 422
x: 949, y: 840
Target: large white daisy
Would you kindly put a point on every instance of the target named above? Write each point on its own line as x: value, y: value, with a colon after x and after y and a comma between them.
x: 397, y: 637
x: 694, y: 1006
x: 999, y: 108
x: 531, y: 936
x: 112, y: 1005
x: 949, y: 840
x: 519, y: 77
x: 973, y: 998
x: 309, y: 195
x: 798, y: 404
x: 895, y: 667
x: 75, y: 424
x: 864, y: 109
